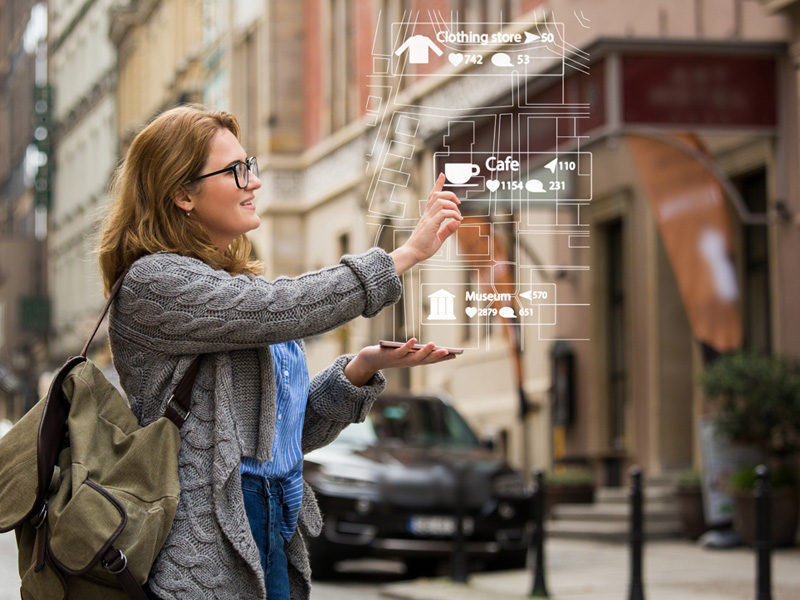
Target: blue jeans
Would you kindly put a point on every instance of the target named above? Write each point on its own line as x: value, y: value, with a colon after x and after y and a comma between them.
x: 263, y: 502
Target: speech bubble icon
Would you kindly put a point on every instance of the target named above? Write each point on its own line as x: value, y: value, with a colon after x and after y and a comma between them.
x: 534, y: 186
x: 508, y: 313
x: 501, y: 59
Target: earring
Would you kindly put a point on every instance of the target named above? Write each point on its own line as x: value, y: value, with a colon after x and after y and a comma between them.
x: 188, y: 213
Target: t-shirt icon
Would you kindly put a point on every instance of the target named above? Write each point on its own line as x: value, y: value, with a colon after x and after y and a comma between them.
x: 418, y: 47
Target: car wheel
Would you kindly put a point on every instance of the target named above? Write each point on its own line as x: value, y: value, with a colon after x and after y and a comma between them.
x: 510, y: 559
x: 421, y: 567
x: 322, y: 562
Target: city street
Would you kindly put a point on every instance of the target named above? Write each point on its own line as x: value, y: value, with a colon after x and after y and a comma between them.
x: 9, y: 578
x: 575, y: 570
x: 360, y: 579
x: 357, y: 579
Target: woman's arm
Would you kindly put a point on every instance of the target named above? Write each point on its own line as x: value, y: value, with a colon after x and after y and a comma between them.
x: 334, y: 403
x: 179, y: 305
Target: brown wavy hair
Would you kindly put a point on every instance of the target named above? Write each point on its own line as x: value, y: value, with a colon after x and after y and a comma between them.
x: 143, y: 217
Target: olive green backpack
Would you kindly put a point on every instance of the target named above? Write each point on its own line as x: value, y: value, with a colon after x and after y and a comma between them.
x: 90, y: 494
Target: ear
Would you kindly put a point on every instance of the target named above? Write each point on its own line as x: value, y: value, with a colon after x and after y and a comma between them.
x: 183, y: 200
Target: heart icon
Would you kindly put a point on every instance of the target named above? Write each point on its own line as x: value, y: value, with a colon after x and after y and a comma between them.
x: 493, y: 184
x: 471, y: 311
x: 455, y: 59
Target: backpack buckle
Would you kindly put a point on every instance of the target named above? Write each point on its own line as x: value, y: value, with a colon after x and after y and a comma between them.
x: 40, y: 518
x: 176, y: 408
x: 117, y: 565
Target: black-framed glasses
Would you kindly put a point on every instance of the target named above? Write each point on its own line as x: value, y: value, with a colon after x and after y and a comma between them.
x: 241, y: 172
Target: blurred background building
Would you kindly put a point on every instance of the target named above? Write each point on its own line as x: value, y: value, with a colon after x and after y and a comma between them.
x: 83, y: 77
x: 24, y: 144
x: 301, y: 76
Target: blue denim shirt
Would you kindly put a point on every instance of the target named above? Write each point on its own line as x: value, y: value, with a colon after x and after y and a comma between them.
x: 286, y: 466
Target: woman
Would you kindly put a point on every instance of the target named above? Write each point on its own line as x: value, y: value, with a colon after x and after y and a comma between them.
x: 183, y: 201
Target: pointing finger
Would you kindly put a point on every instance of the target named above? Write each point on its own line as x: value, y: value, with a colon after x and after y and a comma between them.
x: 438, y: 186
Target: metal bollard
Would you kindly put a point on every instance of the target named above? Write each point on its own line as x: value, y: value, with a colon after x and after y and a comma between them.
x: 636, y: 534
x: 459, y: 564
x: 539, y: 586
x: 763, y: 542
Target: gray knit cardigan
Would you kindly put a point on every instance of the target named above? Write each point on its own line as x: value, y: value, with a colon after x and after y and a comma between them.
x: 172, y: 308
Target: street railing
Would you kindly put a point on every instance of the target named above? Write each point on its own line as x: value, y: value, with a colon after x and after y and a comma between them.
x: 637, y: 536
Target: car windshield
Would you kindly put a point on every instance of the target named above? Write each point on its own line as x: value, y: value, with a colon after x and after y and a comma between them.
x: 411, y: 422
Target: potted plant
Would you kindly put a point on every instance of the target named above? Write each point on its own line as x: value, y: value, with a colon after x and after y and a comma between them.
x: 689, y: 494
x: 784, y: 495
x: 567, y: 486
x: 757, y: 401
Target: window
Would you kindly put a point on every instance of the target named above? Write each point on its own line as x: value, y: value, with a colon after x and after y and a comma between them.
x: 344, y: 333
x: 615, y: 347
x: 2, y: 325
x: 412, y: 422
x: 248, y: 88
x: 755, y: 265
x: 342, y: 63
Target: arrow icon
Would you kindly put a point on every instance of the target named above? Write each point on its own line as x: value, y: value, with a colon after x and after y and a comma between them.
x: 551, y: 166
x: 527, y: 295
x: 530, y: 37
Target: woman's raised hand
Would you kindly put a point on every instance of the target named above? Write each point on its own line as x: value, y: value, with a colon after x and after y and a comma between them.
x: 431, y: 231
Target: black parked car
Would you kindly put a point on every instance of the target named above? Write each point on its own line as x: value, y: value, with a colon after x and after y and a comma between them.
x: 388, y: 487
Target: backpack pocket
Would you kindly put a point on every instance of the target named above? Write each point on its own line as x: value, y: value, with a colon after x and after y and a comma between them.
x: 87, y: 526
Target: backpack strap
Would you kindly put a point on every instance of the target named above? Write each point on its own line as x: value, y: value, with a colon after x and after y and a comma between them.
x: 116, y: 563
x: 111, y: 295
x: 179, y: 405
x: 181, y: 397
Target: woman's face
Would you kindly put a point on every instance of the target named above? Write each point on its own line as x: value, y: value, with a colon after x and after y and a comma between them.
x: 223, y: 209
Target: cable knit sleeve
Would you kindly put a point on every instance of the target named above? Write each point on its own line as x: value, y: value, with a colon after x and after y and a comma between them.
x: 178, y: 305
x: 334, y: 402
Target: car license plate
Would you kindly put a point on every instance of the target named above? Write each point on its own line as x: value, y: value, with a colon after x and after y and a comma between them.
x: 443, y: 526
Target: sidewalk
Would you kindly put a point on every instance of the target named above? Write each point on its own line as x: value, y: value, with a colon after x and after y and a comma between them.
x: 577, y: 570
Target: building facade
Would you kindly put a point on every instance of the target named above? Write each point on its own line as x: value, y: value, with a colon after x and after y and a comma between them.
x: 159, y: 60
x: 730, y: 90
x: 23, y: 304
x: 83, y: 79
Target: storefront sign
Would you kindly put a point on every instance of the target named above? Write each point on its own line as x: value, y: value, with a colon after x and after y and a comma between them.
x: 699, y: 90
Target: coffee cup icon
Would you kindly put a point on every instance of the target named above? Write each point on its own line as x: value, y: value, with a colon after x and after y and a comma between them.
x: 459, y: 173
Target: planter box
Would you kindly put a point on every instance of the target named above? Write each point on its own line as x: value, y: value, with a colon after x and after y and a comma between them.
x: 690, y: 511
x: 784, y: 508
x: 566, y: 494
